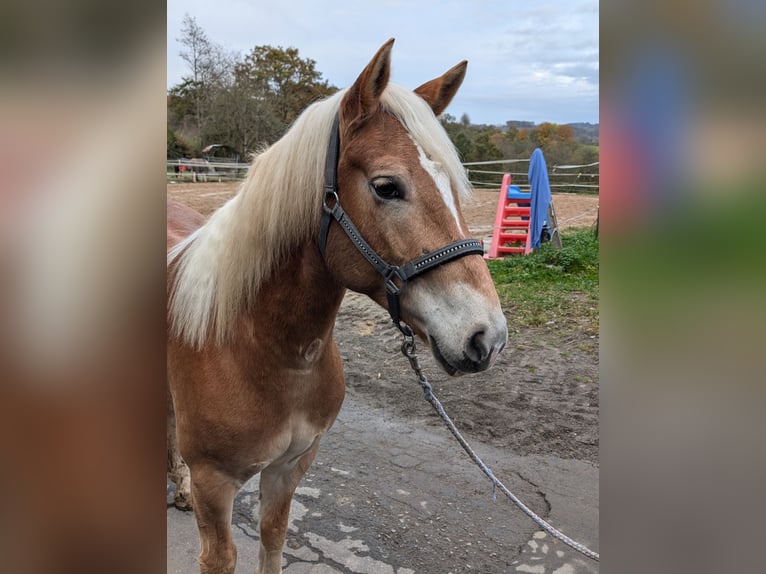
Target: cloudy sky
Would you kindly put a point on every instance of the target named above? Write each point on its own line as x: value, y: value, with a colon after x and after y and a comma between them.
x: 535, y: 61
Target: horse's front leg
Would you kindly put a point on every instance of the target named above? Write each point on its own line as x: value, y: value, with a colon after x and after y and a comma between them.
x: 277, y: 486
x: 213, y: 498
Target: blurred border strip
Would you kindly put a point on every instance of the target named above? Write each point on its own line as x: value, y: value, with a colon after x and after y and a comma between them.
x: 683, y: 320
x: 82, y: 352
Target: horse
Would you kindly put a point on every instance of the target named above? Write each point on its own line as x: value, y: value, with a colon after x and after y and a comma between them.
x: 365, y: 177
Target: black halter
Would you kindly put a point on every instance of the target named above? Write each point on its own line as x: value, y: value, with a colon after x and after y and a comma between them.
x: 390, y: 273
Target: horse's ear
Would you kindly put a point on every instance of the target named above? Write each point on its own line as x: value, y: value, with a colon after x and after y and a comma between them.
x: 363, y: 97
x: 440, y: 91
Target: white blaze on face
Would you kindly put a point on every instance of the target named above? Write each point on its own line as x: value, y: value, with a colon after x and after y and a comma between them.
x: 443, y: 184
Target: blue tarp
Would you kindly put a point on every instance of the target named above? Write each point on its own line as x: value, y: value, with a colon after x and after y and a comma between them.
x: 541, y: 195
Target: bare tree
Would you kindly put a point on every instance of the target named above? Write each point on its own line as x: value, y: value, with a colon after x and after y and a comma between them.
x: 210, y: 68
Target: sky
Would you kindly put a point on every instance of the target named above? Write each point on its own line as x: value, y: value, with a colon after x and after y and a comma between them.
x: 527, y: 60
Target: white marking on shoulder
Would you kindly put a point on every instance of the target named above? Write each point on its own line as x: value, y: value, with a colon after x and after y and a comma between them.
x: 313, y: 350
x: 442, y: 181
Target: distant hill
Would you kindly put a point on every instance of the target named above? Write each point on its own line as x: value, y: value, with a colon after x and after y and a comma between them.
x: 519, y: 124
x: 585, y: 132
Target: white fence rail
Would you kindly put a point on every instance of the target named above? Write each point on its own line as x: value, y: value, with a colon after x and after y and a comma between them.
x: 199, y: 170
x: 563, y: 178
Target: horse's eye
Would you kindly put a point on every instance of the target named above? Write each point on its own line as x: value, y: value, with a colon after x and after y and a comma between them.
x: 386, y: 188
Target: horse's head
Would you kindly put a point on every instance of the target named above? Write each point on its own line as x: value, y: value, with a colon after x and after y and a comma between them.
x: 399, y: 181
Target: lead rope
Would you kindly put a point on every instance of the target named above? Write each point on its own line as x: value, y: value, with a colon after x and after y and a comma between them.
x: 408, y: 350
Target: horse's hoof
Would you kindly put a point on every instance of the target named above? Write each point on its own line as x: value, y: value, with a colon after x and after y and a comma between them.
x: 182, y: 503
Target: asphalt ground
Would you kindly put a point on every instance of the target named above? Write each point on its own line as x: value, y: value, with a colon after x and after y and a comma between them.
x: 395, y: 496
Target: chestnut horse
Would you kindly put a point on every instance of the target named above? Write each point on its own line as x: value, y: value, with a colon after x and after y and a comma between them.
x: 255, y: 378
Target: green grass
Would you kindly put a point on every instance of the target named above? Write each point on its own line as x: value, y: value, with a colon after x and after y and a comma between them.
x: 552, y: 287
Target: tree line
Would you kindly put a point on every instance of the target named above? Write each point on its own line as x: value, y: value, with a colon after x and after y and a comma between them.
x: 245, y: 102
x: 248, y: 102
x: 517, y: 140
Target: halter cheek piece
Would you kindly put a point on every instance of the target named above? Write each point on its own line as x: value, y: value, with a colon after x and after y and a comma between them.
x: 391, y: 273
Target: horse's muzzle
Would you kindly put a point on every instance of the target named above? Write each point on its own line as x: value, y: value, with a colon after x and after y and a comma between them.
x: 479, y: 352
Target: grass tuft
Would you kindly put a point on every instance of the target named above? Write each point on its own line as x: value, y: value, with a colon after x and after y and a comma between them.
x: 557, y: 287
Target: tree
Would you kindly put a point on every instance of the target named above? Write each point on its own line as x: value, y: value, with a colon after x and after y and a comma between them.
x: 209, y: 69
x: 245, y: 117
x: 174, y: 150
x: 282, y: 78
x: 482, y: 149
x: 182, y: 106
x: 556, y: 141
x: 464, y: 146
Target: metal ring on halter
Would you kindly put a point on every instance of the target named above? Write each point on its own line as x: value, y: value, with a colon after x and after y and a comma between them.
x: 330, y: 194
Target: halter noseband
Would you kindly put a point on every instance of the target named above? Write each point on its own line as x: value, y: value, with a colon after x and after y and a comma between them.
x: 390, y: 273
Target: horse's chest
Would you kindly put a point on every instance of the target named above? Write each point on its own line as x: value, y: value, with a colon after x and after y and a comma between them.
x: 258, y: 409
x: 315, y: 395
x: 307, y: 414
x: 313, y: 380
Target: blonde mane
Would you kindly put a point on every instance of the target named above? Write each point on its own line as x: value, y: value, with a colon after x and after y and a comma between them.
x: 221, y: 266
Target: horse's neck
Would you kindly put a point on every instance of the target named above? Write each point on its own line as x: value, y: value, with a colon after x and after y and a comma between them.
x: 294, y: 308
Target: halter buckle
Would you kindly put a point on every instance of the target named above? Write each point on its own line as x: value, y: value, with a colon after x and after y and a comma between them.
x: 394, y: 272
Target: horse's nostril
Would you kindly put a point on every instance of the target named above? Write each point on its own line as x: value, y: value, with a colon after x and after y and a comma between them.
x: 477, y: 348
